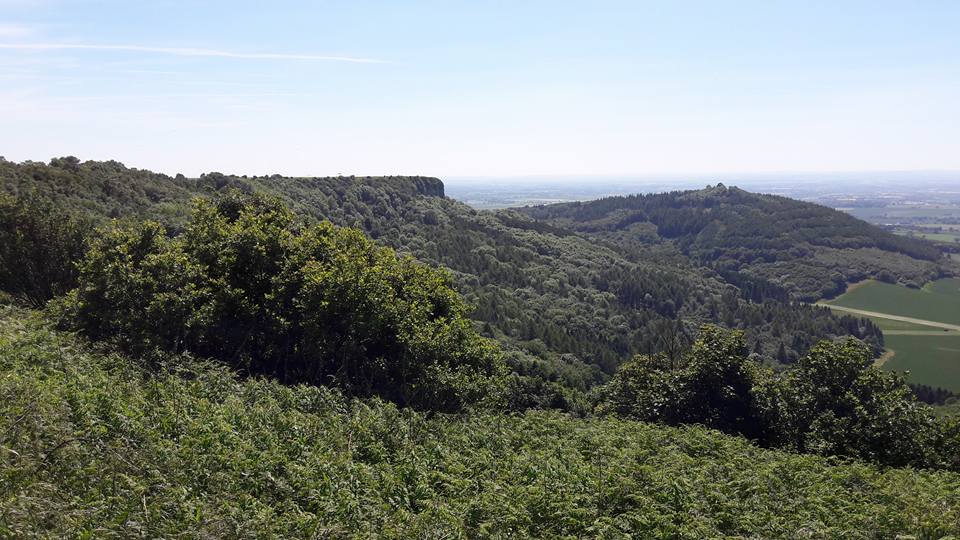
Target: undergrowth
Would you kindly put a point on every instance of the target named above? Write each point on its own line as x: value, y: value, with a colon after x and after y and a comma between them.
x: 94, y: 445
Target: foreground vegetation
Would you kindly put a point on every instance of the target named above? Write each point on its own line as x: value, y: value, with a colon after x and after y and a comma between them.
x: 95, y: 444
x: 246, y: 284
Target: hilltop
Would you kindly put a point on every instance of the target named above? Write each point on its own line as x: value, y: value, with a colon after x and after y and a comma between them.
x: 768, y: 243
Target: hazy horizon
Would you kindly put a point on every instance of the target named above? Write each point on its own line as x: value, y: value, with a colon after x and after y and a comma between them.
x: 764, y: 177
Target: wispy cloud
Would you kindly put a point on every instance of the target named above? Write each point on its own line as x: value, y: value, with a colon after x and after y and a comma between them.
x: 186, y: 51
x: 14, y: 31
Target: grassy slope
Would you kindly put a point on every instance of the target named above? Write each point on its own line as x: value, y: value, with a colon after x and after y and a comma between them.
x: 92, y: 445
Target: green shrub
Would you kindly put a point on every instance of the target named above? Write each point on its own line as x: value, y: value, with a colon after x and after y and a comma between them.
x: 247, y: 285
x: 841, y: 405
x: 712, y: 385
x: 39, y: 248
x: 832, y: 402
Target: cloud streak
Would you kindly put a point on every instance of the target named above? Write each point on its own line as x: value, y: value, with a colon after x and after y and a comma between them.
x: 187, y: 51
x: 14, y: 30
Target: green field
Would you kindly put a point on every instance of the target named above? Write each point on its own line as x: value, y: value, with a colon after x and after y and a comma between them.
x: 939, y: 237
x: 931, y: 355
x: 930, y: 359
x: 938, y: 301
x: 935, y: 232
x: 934, y: 237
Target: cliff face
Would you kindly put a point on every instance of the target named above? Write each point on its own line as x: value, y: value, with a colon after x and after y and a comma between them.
x: 429, y: 186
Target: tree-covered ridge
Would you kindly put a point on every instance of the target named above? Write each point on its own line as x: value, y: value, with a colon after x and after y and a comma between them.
x: 99, y: 444
x: 810, y: 250
x: 110, y: 189
x: 567, y: 307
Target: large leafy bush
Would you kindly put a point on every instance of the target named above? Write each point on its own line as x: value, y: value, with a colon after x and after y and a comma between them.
x: 248, y: 285
x: 39, y: 248
x: 712, y: 385
x: 842, y: 406
x: 833, y: 402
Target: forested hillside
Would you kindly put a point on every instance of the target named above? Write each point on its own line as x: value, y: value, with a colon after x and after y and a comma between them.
x: 568, y: 307
x: 769, y: 245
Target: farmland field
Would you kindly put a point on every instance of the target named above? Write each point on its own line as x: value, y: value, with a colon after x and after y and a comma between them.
x: 939, y: 237
x: 930, y: 354
x: 904, y: 213
x: 931, y: 359
x: 938, y: 301
x: 929, y: 234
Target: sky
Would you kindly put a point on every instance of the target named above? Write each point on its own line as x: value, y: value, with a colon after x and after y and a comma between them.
x: 483, y: 88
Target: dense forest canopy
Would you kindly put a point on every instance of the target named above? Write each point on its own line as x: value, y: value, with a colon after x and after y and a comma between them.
x: 568, y: 306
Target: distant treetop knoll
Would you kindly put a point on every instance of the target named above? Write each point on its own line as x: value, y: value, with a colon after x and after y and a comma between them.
x: 810, y: 250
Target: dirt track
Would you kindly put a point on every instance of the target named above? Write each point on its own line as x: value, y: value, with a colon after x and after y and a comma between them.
x: 923, y: 322
x: 943, y: 332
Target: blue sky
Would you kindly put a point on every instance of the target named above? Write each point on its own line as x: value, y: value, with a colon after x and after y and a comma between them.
x: 483, y: 88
